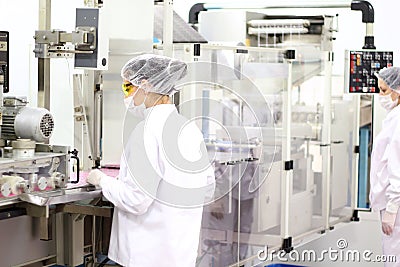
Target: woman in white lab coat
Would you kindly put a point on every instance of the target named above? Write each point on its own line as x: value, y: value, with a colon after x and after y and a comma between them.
x: 164, y: 176
x: 385, y: 163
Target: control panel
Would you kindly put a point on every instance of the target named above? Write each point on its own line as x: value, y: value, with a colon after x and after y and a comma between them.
x: 4, y: 61
x: 361, y: 68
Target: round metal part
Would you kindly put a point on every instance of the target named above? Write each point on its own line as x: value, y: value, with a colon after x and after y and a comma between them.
x: 23, y: 153
x: 23, y: 187
x: 42, y: 183
x: 34, y: 123
x: 23, y: 144
x: 5, y: 189
x: 23, y: 148
x: 59, y: 179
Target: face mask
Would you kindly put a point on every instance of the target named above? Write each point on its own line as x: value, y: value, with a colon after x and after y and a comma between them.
x: 387, y: 102
x: 137, y: 111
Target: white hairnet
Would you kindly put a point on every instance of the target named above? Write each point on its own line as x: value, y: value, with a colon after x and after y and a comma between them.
x: 160, y: 72
x: 391, y: 76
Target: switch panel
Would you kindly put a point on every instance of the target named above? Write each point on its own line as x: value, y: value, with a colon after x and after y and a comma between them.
x: 361, y: 68
x: 4, y: 61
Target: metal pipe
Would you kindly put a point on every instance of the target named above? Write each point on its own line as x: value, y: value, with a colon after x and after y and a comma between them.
x: 199, y: 7
x: 44, y: 63
x: 368, y: 17
x: 356, y: 143
x: 288, y: 4
x: 168, y: 28
x: 326, y: 141
x: 94, y: 238
x: 287, y: 175
x: 194, y: 13
x: 369, y: 29
x: 368, y: 13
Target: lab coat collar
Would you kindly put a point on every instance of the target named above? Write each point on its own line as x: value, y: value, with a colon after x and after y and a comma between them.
x: 165, y: 109
x: 392, y: 114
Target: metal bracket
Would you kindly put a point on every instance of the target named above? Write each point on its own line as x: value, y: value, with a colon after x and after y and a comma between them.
x: 85, y: 210
x: 35, y: 211
x: 196, y: 50
x: 287, y: 244
x: 53, y: 44
x: 84, y: 38
x: 289, y: 165
x: 242, y: 51
x: 355, y: 217
x: 46, y: 228
x: 331, y: 56
x: 290, y: 54
x: 55, y: 163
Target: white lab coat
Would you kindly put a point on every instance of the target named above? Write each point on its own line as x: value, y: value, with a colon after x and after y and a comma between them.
x: 385, y: 176
x: 145, y: 231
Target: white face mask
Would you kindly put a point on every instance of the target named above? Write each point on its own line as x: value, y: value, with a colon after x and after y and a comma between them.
x: 137, y: 111
x: 387, y: 102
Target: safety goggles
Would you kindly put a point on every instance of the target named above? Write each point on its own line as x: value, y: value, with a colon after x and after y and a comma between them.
x: 128, y: 88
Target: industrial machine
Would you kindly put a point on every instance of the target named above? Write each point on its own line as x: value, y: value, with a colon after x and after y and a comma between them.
x: 40, y: 189
x: 28, y: 164
x: 278, y: 67
x: 261, y: 96
x: 44, y: 198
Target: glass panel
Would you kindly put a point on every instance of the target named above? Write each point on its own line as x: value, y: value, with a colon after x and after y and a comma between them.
x: 238, y: 120
x: 239, y: 98
x: 342, y: 156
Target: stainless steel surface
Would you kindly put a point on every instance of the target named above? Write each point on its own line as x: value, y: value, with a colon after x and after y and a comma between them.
x: 98, y: 121
x: 44, y: 83
x: 60, y: 196
x: 44, y: 63
x: 9, y: 201
x: 85, y: 210
x: 23, y: 144
x: 22, y: 234
x: 40, y: 159
x: 88, y: 117
x: 69, y: 250
x: 23, y: 148
x: 168, y: 26
x: 45, y: 228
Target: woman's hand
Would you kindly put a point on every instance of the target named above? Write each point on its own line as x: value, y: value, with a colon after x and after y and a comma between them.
x: 95, y: 177
x: 388, y: 221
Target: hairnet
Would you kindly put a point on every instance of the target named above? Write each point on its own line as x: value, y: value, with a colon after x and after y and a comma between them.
x: 160, y: 72
x: 391, y: 76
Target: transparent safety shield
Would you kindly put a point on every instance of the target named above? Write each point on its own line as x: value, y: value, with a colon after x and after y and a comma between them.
x: 265, y: 122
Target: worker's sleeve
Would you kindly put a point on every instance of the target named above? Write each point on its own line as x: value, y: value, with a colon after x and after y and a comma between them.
x: 125, y: 195
x: 136, y: 192
x: 392, y: 154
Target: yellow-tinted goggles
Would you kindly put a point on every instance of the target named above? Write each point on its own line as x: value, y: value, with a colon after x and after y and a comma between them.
x: 128, y: 88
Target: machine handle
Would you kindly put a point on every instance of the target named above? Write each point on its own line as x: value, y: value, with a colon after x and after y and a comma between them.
x: 77, y: 169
